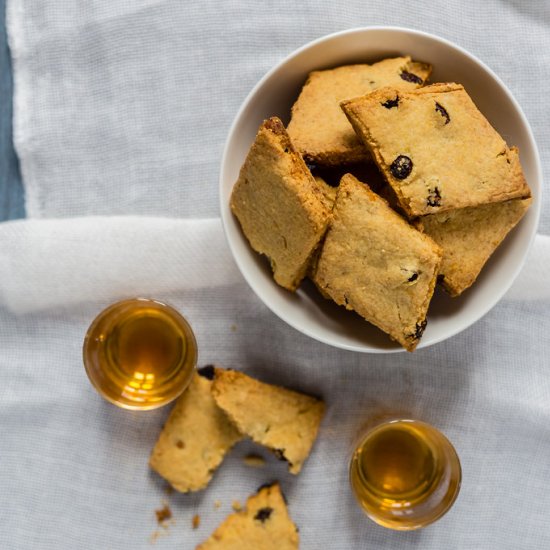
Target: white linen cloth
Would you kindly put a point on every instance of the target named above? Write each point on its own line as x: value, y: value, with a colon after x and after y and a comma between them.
x: 121, y: 110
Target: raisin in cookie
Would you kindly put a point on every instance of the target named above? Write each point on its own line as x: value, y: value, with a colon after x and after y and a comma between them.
x: 195, y: 438
x: 375, y: 263
x: 435, y: 148
x: 468, y: 237
x: 263, y: 525
x: 285, y: 421
x: 318, y: 128
x: 279, y: 205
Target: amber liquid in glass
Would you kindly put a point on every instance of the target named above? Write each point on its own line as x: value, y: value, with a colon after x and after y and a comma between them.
x: 140, y: 354
x: 405, y: 474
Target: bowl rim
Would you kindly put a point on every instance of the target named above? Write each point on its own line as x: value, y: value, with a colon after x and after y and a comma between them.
x: 536, y: 206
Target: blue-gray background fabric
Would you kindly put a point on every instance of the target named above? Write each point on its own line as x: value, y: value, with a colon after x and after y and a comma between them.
x: 73, y: 469
x: 11, y: 189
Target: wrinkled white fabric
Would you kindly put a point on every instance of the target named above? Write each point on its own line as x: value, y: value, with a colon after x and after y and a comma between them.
x: 121, y: 111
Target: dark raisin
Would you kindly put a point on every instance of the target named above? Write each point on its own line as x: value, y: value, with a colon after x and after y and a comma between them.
x: 434, y: 197
x: 263, y: 514
x: 208, y: 372
x: 443, y: 112
x: 413, y: 277
x: 401, y: 167
x: 410, y: 77
x: 391, y: 103
x: 420, y: 327
x: 280, y: 454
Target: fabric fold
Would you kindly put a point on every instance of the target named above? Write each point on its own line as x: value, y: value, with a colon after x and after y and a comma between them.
x: 61, y: 263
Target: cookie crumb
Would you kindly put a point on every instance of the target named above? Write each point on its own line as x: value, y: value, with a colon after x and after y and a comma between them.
x: 217, y: 504
x: 156, y: 534
x: 233, y: 328
x: 253, y: 460
x: 163, y: 515
x: 236, y: 505
x: 196, y: 521
x: 168, y: 489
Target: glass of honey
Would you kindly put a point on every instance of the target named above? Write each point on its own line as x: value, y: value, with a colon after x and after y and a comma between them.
x: 140, y: 354
x: 405, y: 474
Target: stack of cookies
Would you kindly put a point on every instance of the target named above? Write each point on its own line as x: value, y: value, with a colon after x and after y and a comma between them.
x: 443, y: 191
x: 219, y: 408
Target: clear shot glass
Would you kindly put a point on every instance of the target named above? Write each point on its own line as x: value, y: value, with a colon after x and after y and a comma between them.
x: 405, y: 474
x: 140, y: 354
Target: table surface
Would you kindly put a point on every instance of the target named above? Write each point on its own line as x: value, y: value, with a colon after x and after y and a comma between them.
x: 11, y: 187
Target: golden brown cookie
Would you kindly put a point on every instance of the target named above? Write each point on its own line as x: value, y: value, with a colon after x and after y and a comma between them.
x: 469, y: 236
x: 318, y: 128
x: 279, y: 205
x: 373, y: 262
x: 435, y: 148
x: 195, y: 438
x: 263, y: 525
x: 283, y: 420
x: 328, y: 192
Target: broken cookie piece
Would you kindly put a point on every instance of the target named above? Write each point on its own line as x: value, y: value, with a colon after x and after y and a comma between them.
x: 318, y: 127
x: 373, y: 262
x: 280, y: 207
x: 254, y: 460
x: 283, y: 420
x: 469, y: 236
x: 263, y: 525
x: 435, y: 148
x: 195, y: 438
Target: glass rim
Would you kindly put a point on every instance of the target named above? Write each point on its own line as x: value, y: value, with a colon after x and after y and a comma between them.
x: 178, y: 317
x: 370, y: 430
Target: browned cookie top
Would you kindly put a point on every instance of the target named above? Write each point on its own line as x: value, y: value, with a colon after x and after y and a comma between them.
x: 435, y: 148
x: 318, y: 127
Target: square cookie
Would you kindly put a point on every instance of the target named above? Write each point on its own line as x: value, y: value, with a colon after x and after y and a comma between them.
x: 375, y: 263
x: 283, y: 420
x: 263, y: 525
x: 195, y: 438
x: 435, y: 148
x: 279, y: 205
x: 318, y: 128
x: 469, y: 236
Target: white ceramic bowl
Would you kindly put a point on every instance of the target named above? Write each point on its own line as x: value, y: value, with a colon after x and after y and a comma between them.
x: 306, y: 310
